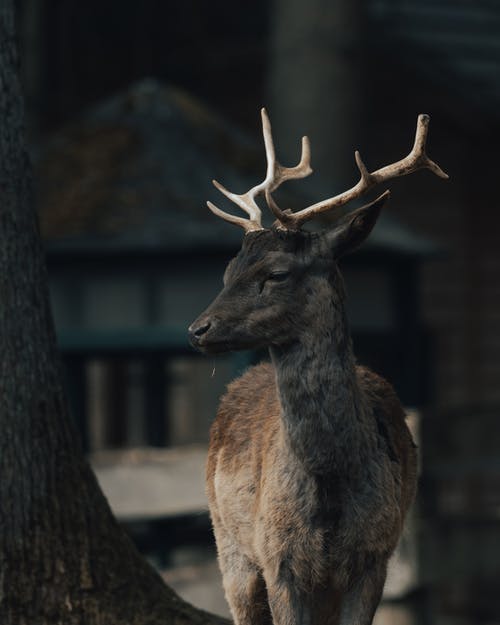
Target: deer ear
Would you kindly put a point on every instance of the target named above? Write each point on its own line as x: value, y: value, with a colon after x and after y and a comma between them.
x: 355, y: 227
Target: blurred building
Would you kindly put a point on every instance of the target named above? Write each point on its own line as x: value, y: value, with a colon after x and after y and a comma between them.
x: 133, y: 259
x: 134, y: 256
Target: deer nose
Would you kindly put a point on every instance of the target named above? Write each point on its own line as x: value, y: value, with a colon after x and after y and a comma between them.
x: 197, y: 331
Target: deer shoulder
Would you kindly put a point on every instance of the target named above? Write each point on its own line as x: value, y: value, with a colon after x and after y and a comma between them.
x: 249, y: 415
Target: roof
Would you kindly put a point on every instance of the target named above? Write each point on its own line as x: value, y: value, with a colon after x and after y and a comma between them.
x: 133, y: 174
x: 135, y: 170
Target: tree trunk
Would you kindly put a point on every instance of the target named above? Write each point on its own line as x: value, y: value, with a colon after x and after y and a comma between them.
x: 63, y: 557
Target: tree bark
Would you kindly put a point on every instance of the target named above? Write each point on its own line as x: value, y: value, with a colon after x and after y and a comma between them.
x: 63, y: 557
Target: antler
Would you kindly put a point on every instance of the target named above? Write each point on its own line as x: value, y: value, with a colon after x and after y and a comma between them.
x: 276, y: 174
x: 416, y: 159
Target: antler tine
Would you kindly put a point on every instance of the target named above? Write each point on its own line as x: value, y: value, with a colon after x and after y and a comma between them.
x: 245, y: 201
x: 416, y: 159
x: 247, y: 224
x: 276, y: 174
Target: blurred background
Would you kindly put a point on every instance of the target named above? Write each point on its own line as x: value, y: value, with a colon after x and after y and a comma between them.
x: 132, y: 109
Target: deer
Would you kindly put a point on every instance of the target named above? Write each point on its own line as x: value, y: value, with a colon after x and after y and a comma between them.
x: 311, y: 467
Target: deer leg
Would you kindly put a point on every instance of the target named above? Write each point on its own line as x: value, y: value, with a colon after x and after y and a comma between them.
x: 244, y: 586
x: 289, y: 605
x: 361, y: 600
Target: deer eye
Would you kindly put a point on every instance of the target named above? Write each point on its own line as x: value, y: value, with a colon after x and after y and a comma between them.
x: 278, y: 276
x: 274, y: 277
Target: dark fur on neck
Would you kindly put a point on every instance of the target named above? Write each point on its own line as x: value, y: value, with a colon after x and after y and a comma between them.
x: 324, y: 410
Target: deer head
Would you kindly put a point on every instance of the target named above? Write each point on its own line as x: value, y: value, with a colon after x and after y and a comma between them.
x: 284, y: 278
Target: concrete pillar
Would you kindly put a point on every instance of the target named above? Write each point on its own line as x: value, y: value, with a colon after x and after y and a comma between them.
x: 315, y: 85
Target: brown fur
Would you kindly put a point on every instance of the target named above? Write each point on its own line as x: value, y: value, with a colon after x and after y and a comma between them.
x: 258, y: 512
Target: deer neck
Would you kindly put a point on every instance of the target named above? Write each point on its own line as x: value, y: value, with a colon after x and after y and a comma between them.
x: 324, y: 411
